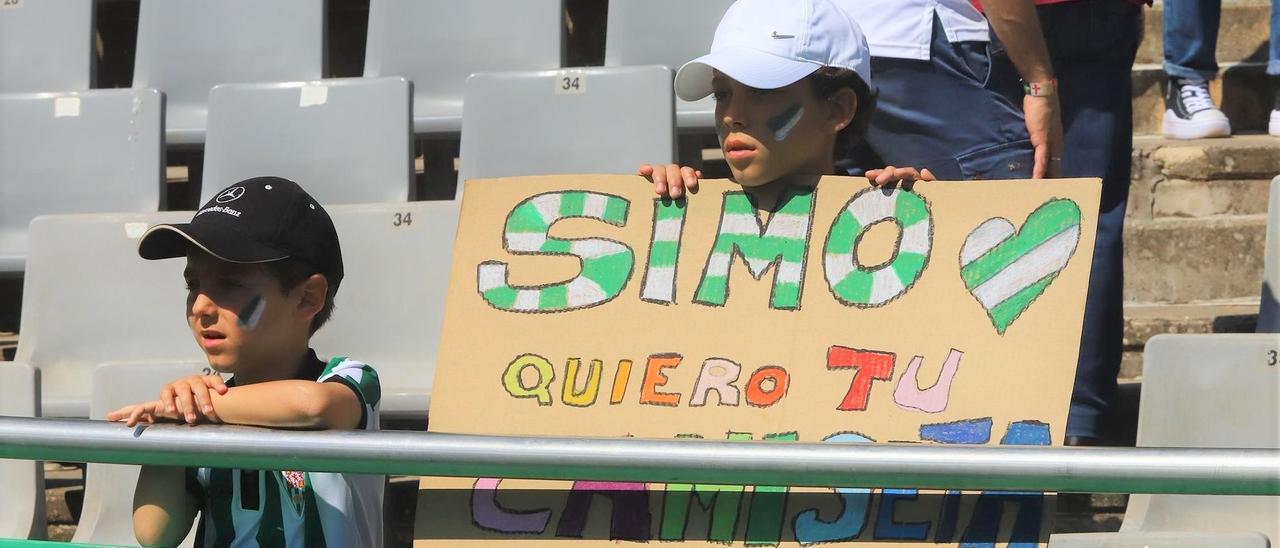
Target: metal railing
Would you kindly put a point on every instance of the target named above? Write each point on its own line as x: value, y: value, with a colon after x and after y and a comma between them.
x: 1065, y: 469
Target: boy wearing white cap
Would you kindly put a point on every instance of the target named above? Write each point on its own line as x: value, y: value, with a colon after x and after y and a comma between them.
x: 792, y: 84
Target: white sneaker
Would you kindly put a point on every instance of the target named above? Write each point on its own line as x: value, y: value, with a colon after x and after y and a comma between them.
x: 1274, y: 127
x: 1190, y: 112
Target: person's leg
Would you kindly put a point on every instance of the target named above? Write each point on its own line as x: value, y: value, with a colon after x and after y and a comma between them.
x: 1273, y: 65
x: 1190, y: 47
x: 1191, y: 38
x: 917, y: 123
x: 1273, y: 68
x: 1093, y: 43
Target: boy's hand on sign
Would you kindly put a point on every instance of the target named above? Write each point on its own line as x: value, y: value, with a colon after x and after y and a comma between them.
x: 671, y: 180
x: 148, y: 412
x: 190, y: 398
x: 893, y: 175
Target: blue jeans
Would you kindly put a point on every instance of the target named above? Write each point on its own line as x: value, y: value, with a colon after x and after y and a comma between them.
x: 1191, y: 38
x: 1093, y: 44
x: 943, y: 114
x: 1273, y: 66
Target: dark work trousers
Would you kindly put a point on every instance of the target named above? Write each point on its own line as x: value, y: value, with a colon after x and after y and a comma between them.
x: 1093, y: 44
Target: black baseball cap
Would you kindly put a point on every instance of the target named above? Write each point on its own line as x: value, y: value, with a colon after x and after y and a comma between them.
x: 258, y: 220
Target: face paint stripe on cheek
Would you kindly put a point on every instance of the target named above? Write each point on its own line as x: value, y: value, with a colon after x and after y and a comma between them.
x: 251, y: 314
x: 784, y: 122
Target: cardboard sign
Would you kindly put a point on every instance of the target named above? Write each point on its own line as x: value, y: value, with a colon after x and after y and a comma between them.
x: 584, y: 306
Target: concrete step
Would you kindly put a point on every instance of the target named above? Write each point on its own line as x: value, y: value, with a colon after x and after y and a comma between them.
x: 1179, y: 261
x: 1089, y: 512
x: 1201, y: 178
x: 1242, y: 33
x: 1143, y: 321
x: 1243, y: 91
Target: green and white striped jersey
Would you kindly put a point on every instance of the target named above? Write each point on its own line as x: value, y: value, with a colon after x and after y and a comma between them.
x: 266, y: 508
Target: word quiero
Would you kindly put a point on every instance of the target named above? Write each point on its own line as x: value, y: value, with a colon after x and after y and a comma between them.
x: 764, y: 387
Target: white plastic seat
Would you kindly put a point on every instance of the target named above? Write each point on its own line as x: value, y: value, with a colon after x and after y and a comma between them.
x: 185, y: 47
x: 345, y: 140
x: 46, y: 45
x: 574, y: 130
x: 82, y: 152
x: 21, y: 481
x: 389, y: 312
x: 436, y: 44
x: 390, y: 307
x: 1269, y: 312
x: 685, y: 33
x: 88, y: 298
x: 1218, y: 391
x: 107, y: 517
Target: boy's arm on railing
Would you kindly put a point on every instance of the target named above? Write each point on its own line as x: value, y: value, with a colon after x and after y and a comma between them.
x: 162, y: 506
x: 289, y: 404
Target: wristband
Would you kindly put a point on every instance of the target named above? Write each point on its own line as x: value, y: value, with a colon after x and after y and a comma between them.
x: 1040, y: 89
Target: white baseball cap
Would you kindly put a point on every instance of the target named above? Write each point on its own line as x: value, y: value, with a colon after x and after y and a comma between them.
x: 768, y: 44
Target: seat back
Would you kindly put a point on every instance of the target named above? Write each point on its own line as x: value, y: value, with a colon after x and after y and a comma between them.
x: 436, y: 44
x: 107, y: 517
x: 88, y: 298
x: 569, y: 122
x: 1269, y: 313
x: 92, y: 151
x: 687, y: 30
x: 344, y: 140
x: 185, y: 47
x: 1209, y: 391
x: 46, y: 45
x: 390, y: 308
x: 21, y: 481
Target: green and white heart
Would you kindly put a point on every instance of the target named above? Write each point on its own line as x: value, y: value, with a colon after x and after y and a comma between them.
x: 1008, y: 269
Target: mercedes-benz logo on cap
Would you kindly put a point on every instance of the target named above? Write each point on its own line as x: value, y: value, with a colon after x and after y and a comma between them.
x: 230, y: 195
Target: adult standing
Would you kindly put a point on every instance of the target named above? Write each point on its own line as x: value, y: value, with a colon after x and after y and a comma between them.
x: 940, y: 108
x: 1093, y: 44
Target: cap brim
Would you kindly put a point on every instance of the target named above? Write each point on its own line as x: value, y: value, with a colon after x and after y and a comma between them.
x: 224, y: 243
x: 751, y: 67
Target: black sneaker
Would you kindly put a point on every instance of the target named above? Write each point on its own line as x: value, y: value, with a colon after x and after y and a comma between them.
x: 1190, y: 112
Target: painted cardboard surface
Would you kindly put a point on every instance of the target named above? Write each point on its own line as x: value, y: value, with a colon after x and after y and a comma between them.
x: 947, y: 314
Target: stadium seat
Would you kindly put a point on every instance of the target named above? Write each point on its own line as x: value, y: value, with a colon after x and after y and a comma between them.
x: 389, y: 311
x: 685, y: 33
x: 185, y: 47
x: 568, y: 122
x: 345, y: 140
x: 1269, y: 313
x: 88, y: 298
x: 390, y: 308
x: 436, y: 44
x: 21, y: 481
x: 1203, y: 391
x: 107, y: 517
x: 92, y: 151
x: 46, y: 45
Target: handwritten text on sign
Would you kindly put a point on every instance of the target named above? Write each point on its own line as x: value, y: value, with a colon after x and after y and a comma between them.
x: 582, y: 305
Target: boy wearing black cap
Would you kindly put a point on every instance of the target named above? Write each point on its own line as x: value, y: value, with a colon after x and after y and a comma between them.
x: 263, y: 266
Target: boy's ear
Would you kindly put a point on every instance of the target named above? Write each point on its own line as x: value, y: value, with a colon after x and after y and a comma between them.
x: 844, y: 105
x: 312, y: 293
